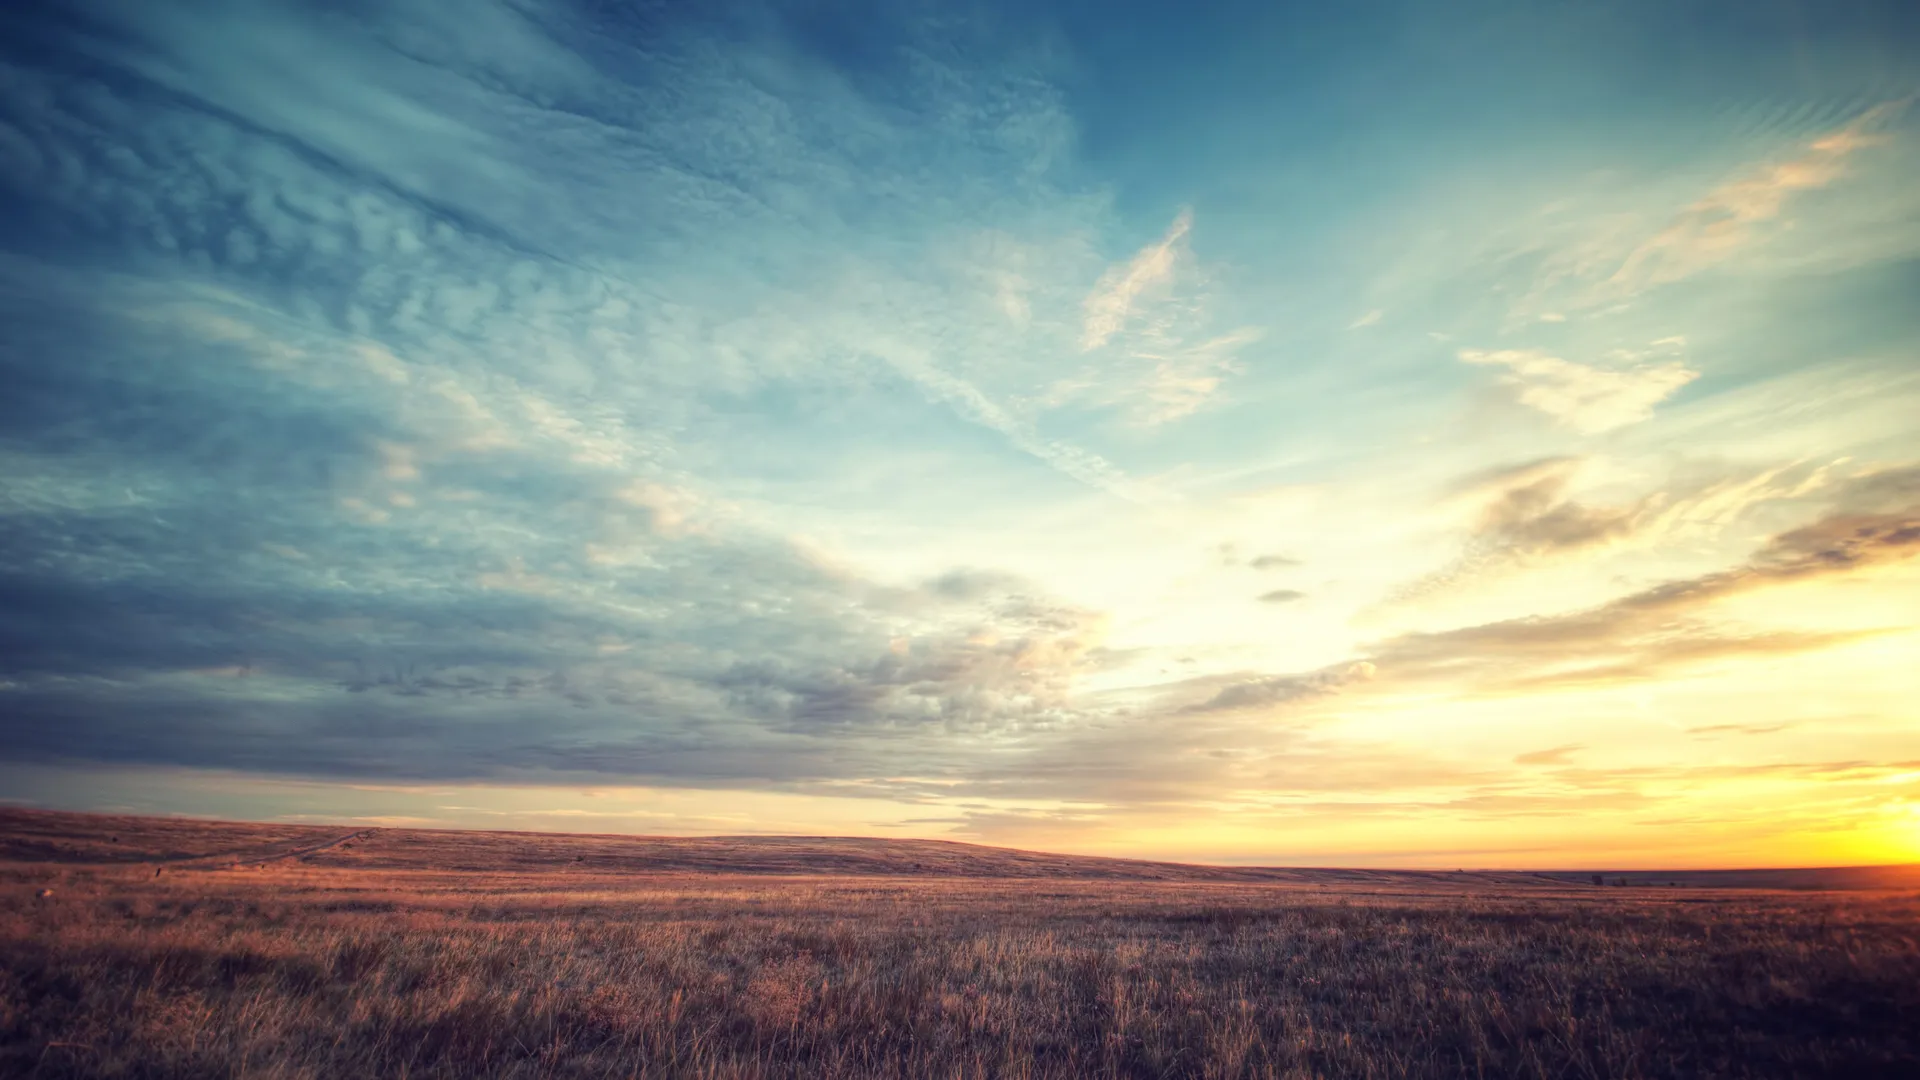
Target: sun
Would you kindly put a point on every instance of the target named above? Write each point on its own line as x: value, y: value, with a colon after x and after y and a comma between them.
x: 1899, y: 839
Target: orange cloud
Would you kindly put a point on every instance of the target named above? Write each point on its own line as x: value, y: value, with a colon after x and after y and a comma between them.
x: 1726, y: 218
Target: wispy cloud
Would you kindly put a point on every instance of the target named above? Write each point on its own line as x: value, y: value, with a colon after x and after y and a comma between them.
x: 1534, y: 514
x: 1556, y: 255
x: 1556, y: 756
x: 1524, y: 509
x: 1660, y: 628
x: 1082, y: 465
x: 1642, y: 636
x: 1590, y: 400
x: 1268, y: 691
x: 1729, y: 217
x: 1520, y: 514
x: 1153, y: 351
x: 1112, y: 301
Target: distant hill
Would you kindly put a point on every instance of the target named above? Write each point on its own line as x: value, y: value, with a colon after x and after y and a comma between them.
x: 42, y: 836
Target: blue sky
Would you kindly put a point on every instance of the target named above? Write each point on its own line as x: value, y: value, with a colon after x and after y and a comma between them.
x: 1391, y: 434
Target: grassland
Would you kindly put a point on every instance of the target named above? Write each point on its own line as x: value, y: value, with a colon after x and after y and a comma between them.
x: 179, y: 949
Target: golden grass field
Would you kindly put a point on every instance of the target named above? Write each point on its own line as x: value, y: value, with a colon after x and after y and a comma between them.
x: 172, y: 948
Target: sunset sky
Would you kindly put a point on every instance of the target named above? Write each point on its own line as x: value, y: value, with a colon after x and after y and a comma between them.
x: 1372, y: 434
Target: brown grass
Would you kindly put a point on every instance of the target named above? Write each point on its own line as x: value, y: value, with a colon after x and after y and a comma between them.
x: 372, y: 959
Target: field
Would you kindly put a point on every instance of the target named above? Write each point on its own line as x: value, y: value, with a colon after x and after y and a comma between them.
x: 189, y: 949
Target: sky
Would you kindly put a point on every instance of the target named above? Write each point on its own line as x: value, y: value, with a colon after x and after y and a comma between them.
x: 1468, y: 435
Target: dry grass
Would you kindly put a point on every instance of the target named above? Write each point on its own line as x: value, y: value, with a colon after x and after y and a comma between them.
x: 363, y: 961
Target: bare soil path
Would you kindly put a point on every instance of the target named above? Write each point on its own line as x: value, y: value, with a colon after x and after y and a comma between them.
x: 303, y: 850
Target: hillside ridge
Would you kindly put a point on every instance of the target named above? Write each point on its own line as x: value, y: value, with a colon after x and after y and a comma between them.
x: 50, y: 836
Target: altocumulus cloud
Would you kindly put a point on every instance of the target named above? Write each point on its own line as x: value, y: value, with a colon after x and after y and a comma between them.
x: 353, y: 363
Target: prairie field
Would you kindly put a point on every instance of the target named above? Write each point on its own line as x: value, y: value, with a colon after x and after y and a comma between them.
x: 166, y: 948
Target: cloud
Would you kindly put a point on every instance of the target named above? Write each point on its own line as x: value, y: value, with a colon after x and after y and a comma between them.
x: 1156, y: 354
x: 532, y: 608
x: 1660, y: 628
x: 1185, y: 377
x: 330, y: 201
x: 1589, y: 400
x: 1282, y: 596
x: 1556, y: 756
x: 1842, y: 541
x: 475, y: 635
x: 1583, y: 255
x: 1003, y: 676
x: 972, y: 585
x: 490, y: 405
x: 1651, y: 633
x: 1730, y: 216
x: 1741, y: 729
x: 1269, y: 691
x: 671, y: 511
x: 1272, y: 562
x: 1526, y: 511
x: 1080, y: 464
x: 1884, y: 489
x: 734, y: 660
x: 1366, y: 320
x: 1111, y: 303
x: 1523, y: 514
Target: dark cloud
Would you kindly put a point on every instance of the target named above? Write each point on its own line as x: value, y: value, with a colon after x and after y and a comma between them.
x: 347, y: 386
x: 1659, y: 628
x: 1527, y: 512
x: 1273, y: 562
x: 222, y: 568
x: 1282, y: 596
x: 1014, y: 676
x: 1521, y: 513
x: 1841, y: 542
x: 479, y: 685
x: 1884, y: 490
x: 168, y: 602
x: 1639, y: 636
